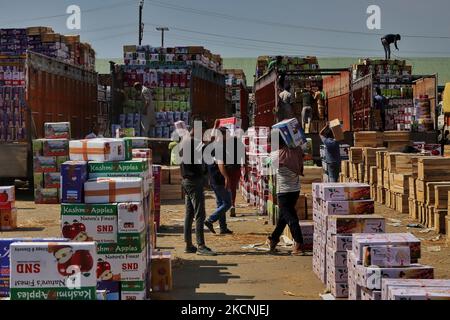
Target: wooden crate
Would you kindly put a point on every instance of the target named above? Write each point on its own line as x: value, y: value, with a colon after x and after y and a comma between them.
x: 388, y: 198
x: 360, y: 177
x: 401, y: 204
x: 441, y: 193
x: 345, y: 168
x: 380, y: 156
x: 434, y: 169
x: 429, y: 217
x: 390, y: 159
x: 396, y: 136
x: 447, y: 227
x: 400, y: 183
x: 171, y: 192
x: 373, y: 191
x: 380, y: 177
x: 447, y: 151
x: 380, y: 195
x: 412, y: 187
x: 356, y: 155
x: 420, y: 212
x: 386, y: 179
x: 412, y: 208
x: 373, y: 175
x: 368, y: 139
x: 439, y: 220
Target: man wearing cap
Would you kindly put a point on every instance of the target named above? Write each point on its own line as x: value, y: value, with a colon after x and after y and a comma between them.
x: 148, y: 119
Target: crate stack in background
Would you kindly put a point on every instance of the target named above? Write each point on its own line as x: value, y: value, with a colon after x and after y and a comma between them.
x: 167, y: 73
x: 235, y: 81
x: 48, y: 156
x: 339, y: 210
x: 374, y: 257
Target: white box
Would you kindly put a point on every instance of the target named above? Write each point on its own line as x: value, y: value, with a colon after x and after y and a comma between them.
x: 97, y: 150
x: 111, y: 190
x: 387, y: 256
x: 131, y: 217
x: 42, y: 271
x: 122, y: 266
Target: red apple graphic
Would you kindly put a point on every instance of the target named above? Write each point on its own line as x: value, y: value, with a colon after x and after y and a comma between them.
x: 79, y: 227
x: 66, y: 258
x: 104, y: 272
x: 68, y: 231
x: 4, y: 197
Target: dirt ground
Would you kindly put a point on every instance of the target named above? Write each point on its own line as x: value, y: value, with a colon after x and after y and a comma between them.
x: 236, y: 272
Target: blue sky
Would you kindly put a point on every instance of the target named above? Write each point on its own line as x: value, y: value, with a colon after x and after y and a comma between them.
x: 110, y: 24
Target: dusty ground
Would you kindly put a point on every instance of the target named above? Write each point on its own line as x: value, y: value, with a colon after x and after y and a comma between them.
x: 236, y: 273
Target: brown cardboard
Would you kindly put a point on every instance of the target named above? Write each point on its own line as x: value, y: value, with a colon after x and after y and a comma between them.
x: 335, y: 126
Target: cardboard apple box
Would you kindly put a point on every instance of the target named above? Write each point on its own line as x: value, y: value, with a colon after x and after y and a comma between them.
x: 112, y: 190
x: 387, y: 256
x: 290, y: 132
x: 55, y: 147
x: 131, y: 217
x: 339, y: 243
x: 370, y: 277
x: 419, y: 294
x: 5, y: 251
x: 134, y: 168
x: 337, y: 274
x: 133, y: 291
x: 122, y: 267
x: 57, y: 130
x: 97, y: 150
x: 8, y: 219
x: 345, y: 192
x: 349, y: 224
x: 82, y: 222
x: 337, y: 258
x: 387, y: 284
x: 336, y: 128
x: 398, y: 239
x: 352, y: 207
x: 53, y: 271
x: 161, y: 270
x: 7, y: 194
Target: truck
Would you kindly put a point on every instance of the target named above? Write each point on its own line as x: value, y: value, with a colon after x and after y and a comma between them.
x: 310, y: 78
x: 51, y: 91
x: 186, y: 83
x: 403, y: 91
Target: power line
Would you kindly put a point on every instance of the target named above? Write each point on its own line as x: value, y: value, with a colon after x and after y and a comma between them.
x: 291, y: 44
x: 111, y: 6
x: 277, y: 24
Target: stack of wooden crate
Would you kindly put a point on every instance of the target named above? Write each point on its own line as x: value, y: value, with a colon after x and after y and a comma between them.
x: 432, y: 188
x: 396, y: 140
x: 171, y: 188
x: 371, y: 139
x: 356, y: 167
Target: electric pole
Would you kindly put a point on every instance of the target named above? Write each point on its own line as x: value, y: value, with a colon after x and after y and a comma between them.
x: 162, y: 29
x: 141, y: 24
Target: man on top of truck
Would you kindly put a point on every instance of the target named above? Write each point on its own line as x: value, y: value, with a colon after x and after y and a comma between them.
x: 284, y: 104
x: 148, y: 119
x: 387, y: 40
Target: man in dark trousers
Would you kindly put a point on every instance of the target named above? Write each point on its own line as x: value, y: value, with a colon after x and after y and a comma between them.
x: 192, y: 172
x: 387, y: 40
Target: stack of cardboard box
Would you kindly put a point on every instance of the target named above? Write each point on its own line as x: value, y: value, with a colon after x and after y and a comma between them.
x: 374, y: 257
x: 339, y: 210
x: 48, y: 155
x: 107, y: 199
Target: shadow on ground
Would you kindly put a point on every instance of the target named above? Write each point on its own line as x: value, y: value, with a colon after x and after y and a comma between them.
x: 190, y: 274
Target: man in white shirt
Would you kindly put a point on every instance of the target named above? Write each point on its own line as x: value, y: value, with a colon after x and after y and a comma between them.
x: 284, y: 104
x: 148, y: 113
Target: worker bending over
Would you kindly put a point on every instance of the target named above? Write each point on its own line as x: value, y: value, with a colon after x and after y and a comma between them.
x: 387, y: 40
